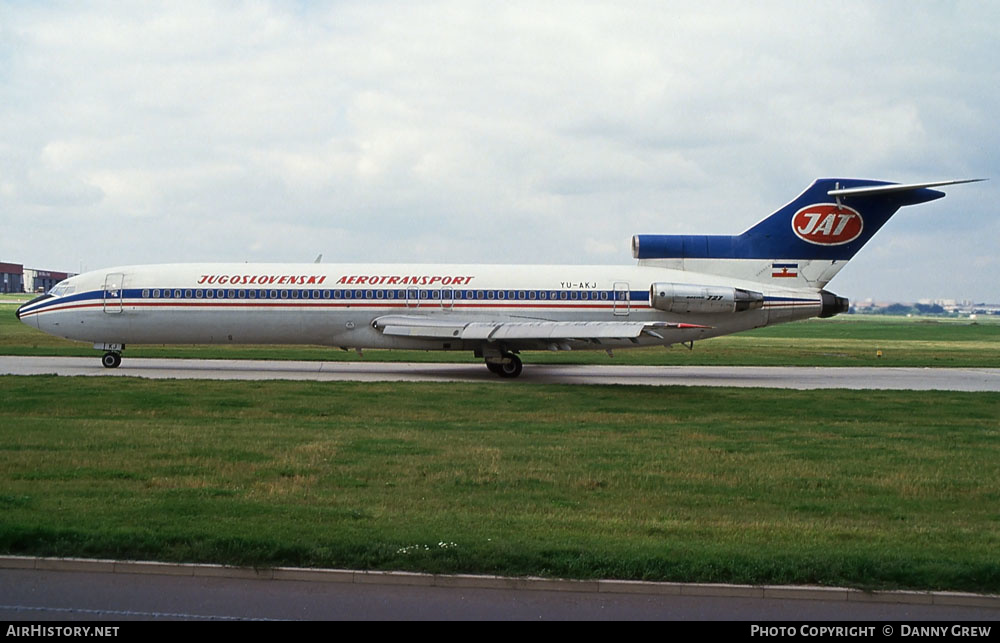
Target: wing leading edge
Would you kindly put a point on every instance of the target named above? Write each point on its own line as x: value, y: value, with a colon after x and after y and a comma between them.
x: 492, y: 331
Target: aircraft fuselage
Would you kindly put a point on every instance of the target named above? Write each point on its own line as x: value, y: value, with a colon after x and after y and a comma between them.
x: 335, y: 305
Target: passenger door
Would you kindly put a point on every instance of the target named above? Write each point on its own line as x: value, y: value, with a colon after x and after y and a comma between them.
x: 114, y: 291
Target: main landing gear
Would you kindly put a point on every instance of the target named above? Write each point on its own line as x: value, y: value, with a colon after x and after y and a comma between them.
x: 507, y: 365
x: 111, y: 359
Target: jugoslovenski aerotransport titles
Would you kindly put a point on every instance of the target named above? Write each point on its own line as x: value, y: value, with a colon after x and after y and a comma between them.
x: 683, y: 288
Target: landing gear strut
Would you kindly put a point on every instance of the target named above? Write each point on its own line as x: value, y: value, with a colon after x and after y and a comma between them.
x: 509, y: 365
x: 111, y: 359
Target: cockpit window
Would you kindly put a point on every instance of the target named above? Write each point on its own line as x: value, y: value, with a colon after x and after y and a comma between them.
x: 62, y: 289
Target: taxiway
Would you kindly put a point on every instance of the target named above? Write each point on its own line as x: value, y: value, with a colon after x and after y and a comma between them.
x: 790, y: 377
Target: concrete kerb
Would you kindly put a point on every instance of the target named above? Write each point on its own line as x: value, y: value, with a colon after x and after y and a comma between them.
x: 837, y: 594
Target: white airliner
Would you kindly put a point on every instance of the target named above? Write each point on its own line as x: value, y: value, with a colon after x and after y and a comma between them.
x: 684, y: 288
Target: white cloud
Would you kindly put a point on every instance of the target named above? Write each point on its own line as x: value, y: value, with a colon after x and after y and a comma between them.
x: 499, y: 133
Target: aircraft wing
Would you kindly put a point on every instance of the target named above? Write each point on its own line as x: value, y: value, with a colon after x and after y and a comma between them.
x: 506, y: 330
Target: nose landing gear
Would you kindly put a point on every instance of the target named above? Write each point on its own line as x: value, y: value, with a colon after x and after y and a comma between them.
x: 111, y: 359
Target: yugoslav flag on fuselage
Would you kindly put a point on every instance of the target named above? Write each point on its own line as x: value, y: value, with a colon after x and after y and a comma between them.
x: 784, y: 270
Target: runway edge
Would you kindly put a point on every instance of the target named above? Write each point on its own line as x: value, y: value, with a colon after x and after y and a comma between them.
x: 471, y: 581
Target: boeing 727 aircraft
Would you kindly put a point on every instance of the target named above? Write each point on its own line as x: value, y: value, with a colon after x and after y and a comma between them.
x: 684, y: 288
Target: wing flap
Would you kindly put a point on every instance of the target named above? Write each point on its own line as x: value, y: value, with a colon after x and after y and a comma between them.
x: 566, y: 330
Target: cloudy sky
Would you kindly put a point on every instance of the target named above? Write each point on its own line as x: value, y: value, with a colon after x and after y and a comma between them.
x: 490, y: 132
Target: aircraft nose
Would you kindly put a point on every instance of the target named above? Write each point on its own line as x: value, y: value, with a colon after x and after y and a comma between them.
x: 30, y: 303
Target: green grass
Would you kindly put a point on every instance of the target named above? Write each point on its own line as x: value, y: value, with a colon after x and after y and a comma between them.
x: 844, y: 341
x: 866, y: 489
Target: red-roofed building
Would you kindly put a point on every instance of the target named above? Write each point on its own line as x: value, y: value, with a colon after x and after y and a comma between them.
x: 11, y: 277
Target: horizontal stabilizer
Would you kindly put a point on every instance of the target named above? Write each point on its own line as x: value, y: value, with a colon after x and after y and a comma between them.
x: 891, y: 188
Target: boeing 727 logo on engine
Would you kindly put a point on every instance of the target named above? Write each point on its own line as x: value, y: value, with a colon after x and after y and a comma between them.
x: 683, y: 288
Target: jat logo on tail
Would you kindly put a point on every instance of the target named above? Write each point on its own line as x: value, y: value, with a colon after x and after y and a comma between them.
x: 827, y: 224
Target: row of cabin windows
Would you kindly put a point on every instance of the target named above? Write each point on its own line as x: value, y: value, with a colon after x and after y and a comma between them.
x: 411, y: 295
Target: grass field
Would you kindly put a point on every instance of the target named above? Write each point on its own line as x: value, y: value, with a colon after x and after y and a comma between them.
x: 849, y: 340
x: 866, y: 489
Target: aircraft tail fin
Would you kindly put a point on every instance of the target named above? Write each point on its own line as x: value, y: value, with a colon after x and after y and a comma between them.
x: 804, y: 243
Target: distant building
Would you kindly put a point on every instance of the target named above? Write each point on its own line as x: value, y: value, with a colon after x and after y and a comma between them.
x: 11, y: 277
x: 42, y: 280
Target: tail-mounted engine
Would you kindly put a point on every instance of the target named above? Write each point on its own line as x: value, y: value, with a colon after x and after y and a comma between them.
x: 833, y: 305
x: 688, y: 298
